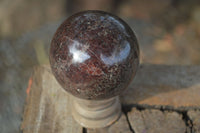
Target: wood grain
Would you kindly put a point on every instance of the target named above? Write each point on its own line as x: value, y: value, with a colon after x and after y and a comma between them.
x: 162, y: 85
x: 156, y: 121
x: 48, y: 107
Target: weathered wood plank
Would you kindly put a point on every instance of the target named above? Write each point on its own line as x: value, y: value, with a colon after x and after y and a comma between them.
x: 156, y: 121
x: 121, y: 126
x: 176, y: 86
x: 48, y: 106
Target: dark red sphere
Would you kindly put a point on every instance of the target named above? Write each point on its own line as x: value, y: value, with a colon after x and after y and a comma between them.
x: 94, y: 55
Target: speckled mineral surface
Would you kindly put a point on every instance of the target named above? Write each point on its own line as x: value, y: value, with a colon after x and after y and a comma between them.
x: 94, y: 55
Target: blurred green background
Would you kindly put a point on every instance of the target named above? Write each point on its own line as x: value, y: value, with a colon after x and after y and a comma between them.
x: 168, y: 32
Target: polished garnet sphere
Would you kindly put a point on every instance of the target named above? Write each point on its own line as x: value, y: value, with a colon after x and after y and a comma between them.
x: 94, y: 55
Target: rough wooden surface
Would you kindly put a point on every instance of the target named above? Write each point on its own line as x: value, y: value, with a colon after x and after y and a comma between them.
x: 156, y: 121
x: 160, y: 85
x: 194, y: 116
x: 47, y: 107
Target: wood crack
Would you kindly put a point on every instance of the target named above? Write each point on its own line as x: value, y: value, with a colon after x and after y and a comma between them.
x: 125, y: 111
x: 84, y: 130
x: 189, y: 124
